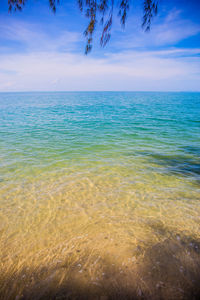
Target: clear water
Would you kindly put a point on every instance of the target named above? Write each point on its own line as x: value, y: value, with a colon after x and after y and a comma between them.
x: 104, y: 173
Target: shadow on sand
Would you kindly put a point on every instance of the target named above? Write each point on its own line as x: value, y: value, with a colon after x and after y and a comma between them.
x: 168, y: 270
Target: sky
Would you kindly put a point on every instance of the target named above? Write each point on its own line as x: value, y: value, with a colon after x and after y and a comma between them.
x: 42, y: 51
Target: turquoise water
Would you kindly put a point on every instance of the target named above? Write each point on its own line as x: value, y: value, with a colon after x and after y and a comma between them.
x: 44, y: 133
x: 48, y: 130
x: 108, y: 171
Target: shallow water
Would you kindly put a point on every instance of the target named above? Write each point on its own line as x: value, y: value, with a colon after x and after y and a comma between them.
x: 95, y: 176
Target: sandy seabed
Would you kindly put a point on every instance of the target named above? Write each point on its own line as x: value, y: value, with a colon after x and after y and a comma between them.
x: 88, y: 240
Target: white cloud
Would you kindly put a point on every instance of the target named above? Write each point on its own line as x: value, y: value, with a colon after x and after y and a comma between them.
x: 130, y: 70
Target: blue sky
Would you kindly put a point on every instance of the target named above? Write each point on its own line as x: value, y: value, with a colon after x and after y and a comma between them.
x: 40, y: 51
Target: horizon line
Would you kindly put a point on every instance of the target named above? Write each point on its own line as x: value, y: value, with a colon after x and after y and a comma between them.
x: 103, y: 91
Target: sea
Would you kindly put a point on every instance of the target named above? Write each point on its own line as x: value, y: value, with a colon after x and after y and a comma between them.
x: 94, y: 178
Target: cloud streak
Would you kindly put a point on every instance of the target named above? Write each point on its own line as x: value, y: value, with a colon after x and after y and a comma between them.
x: 34, y: 38
x: 170, y: 32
